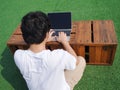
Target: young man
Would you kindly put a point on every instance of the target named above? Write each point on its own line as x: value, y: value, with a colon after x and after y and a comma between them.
x: 43, y: 69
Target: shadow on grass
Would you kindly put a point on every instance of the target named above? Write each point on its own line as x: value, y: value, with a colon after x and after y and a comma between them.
x: 10, y: 72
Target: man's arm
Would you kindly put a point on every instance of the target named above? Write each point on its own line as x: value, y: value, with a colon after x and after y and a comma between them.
x: 62, y: 38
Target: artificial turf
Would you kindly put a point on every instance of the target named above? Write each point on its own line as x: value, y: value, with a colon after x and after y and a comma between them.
x: 95, y: 77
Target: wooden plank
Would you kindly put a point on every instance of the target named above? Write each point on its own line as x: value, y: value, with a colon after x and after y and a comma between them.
x: 111, y: 32
x: 113, y: 54
x: 73, y: 32
x: 80, y: 50
x: 108, y: 31
x: 92, y: 53
x: 83, y: 34
x: 100, y: 32
x: 95, y: 54
x: 96, y: 35
x: 98, y: 52
x: 87, y: 32
x: 16, y: 40
x: 79, y: 35
x: 103, y: 32
x: 17, y: 31
x: 106, y: 54
x: 54, y: 46
x: 22, y: 47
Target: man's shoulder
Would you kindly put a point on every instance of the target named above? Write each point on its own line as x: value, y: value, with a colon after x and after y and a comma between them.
x: 19, y: 51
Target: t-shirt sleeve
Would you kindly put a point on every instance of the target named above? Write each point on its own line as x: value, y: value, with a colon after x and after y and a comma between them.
x: 19, y: 61
x: 67, y: 60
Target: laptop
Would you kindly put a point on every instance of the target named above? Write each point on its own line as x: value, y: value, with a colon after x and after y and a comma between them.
x: 60, y: 22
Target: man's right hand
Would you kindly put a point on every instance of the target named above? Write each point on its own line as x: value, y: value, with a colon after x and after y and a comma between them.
x: 62, y: 38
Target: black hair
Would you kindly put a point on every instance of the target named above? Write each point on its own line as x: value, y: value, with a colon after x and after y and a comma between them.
x: 34, y: 27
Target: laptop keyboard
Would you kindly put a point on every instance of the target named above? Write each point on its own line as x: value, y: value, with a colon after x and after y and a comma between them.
x: 56, y: 33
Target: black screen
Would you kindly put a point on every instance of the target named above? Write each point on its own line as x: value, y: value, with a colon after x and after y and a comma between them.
x: 60, y: 20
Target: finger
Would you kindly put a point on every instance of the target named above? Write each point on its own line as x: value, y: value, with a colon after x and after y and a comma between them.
x: 59, y: 33
x: 51, y: 32
x: 65, y: 33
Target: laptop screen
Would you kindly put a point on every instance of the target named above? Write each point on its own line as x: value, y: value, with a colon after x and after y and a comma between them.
x: 60, y: 20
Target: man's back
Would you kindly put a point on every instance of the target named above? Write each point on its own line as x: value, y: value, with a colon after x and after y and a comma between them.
x: 45, y: 70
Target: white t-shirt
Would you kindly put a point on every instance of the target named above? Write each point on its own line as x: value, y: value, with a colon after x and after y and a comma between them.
x: 45, y: 70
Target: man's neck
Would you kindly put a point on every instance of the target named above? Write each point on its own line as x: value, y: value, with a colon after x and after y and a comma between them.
x: 37, y: 47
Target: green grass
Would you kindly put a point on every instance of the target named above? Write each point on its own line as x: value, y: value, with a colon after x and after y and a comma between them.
x: 95, y: 77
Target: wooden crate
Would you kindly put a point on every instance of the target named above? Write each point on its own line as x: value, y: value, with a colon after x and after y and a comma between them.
x: 94, y: 40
